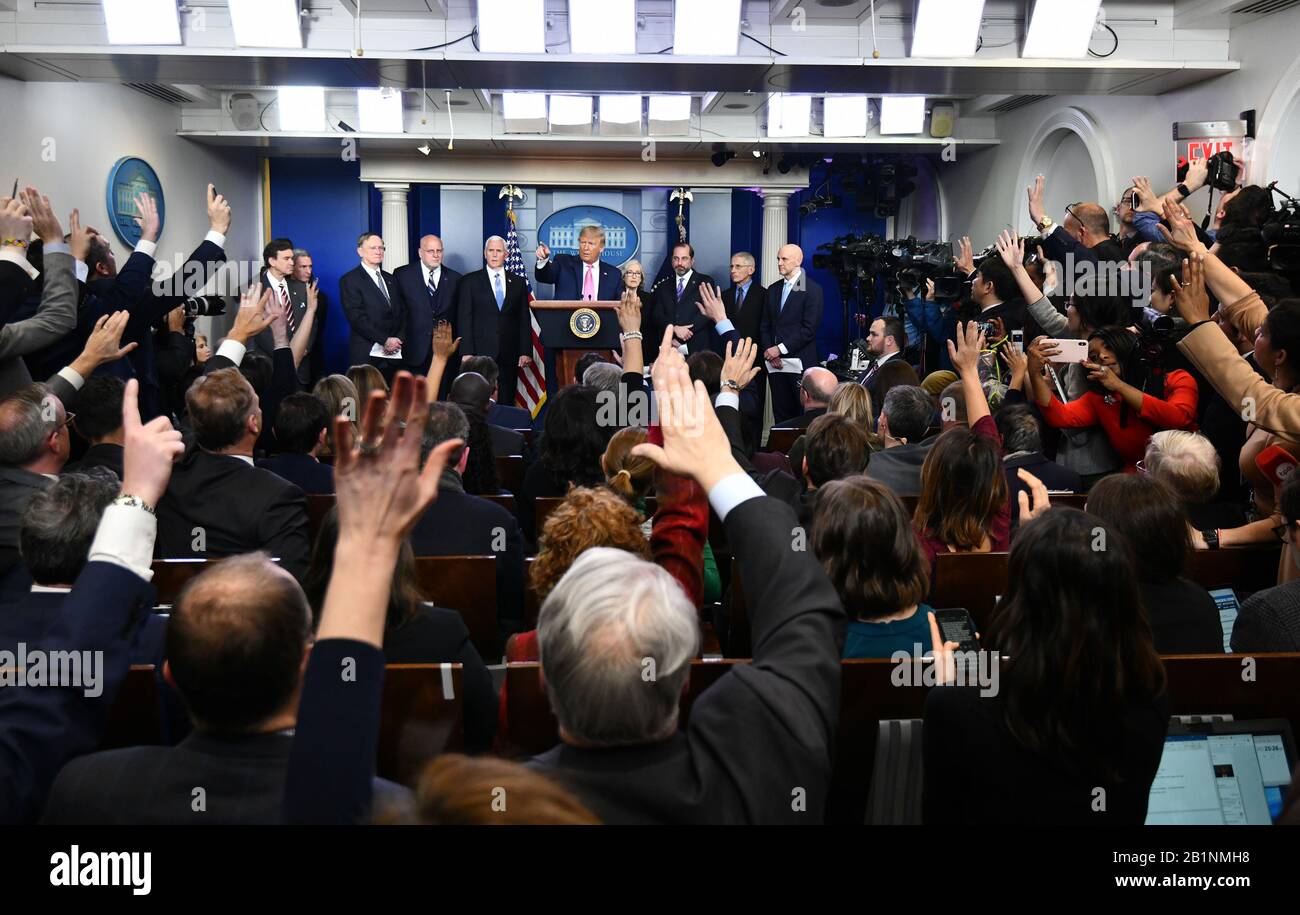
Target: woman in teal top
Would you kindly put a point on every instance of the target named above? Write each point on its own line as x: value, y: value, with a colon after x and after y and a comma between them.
x: 866, y: 543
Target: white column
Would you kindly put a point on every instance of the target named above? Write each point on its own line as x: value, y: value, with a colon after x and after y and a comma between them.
x: 396, y: 243
x: 776, y: 204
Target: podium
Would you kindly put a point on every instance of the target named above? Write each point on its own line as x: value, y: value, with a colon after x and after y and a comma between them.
x: 571, y: 329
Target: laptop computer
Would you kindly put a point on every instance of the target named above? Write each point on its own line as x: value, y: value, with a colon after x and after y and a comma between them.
x: 1222, y: 773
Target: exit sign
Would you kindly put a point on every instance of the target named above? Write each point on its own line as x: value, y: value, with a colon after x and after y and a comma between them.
x: 1203, y: 139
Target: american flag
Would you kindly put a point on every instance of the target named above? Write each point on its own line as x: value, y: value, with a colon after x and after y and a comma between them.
x: 530, y: 392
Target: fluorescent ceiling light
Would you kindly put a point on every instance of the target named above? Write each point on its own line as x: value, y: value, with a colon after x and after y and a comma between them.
x: 266, y: 23
x: 789, y: 115
x: 670, y: 107
x: 622, y: 109
x: 602, y: 26
x: 570, y: 110
x: 1061, y: 28
x: 142, y: 22
x: 902, y: 114
x: 946, y: 28
x: 512, y: 26
x: 706, y: 28
x: 302, y: 108
x: 523, y: 105
x: 381, y: 110
x: 844, y: 116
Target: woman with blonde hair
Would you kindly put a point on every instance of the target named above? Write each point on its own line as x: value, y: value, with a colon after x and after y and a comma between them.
x: 852, y: 400
x: 339, y: 395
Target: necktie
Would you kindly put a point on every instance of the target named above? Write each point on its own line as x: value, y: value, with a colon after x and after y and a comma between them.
x: 681, y: 285
x: 740, y: 298
x: 433, y: 287
x: 290, y: 318
x: 500, y: 292
x: 785, y: 293
x: 588, y: 283
x: 383, y: 287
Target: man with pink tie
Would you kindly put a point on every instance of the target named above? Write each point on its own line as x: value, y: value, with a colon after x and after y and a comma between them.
x: 584, y: 277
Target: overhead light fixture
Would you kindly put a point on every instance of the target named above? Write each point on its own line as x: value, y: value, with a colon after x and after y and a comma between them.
x: 571, y: 114
x: 620, y: 115
x: 524, y: 112
x: 706, y: 29
x: 669, y: 115
x: 721, y: 155
x: 901, y: 114
x: 266, y: 23
x: 424, y: 149
x: 381, y: 110
x: 602, y: 26
x: 789, y: 115
x: 844, y: 116
x: 946, y: 28
x: 1060, y: 28
x: 512, y: 26
x: 302, y: 108
x: 142, y: 22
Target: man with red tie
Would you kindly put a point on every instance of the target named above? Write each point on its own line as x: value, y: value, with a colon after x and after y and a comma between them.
x: 278, y: 276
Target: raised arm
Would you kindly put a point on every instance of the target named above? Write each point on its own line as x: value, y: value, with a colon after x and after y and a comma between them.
x: 302, y: 336
x: 965, y: 355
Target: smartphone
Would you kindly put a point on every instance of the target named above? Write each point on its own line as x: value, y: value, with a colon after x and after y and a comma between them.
x: 956, y: 625
x: 1018, y: 340
x: 1070, y: 350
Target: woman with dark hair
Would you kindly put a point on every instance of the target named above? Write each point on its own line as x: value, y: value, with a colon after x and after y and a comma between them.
x: 1149, y: 516
x: 570, y: 450
x: 416, y: 632
x: 1074, y: 731
x: 1123, y: 398
x: 863, y: 538
x: 893, y: 373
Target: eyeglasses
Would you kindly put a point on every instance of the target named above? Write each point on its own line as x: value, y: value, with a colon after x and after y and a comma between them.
x: 1069, y: 209
x: 67, y: 421
x: 1140, y: 467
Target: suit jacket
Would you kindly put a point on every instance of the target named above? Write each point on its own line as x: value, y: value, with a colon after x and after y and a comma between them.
x: 508, y: 417
x: 565, y: 271
x: 669, y: 310
x: 505, y: 442
x: 899, y: 467
x: 17, y: 486
x: 31, y: 616
x: 55, y: 318
x: 805, y: 419
x: 458, y: 524
x: 239, y: 507
x: 750, y: 314
x: 105, y: 455
x: 794, y: 326
x: 265, y: 341
x: 242, y: 778
x: 372, y: 317
x: 424, y: 311
x: 781, y: 709
x: 303, y: 471
x: 44, y: 728
x: 504, y: 335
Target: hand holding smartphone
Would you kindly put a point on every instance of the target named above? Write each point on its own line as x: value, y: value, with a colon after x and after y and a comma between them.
x: 1069, y: 350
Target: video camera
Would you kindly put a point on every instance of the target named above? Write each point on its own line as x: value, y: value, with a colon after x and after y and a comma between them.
x: 904, y: 263
x: 1282, y: 234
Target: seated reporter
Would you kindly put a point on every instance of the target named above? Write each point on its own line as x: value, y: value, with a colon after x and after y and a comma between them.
x: 299, y: 439
x: 1184, y: 618
x: 1270, y: 619
x: 851, y: 400
x: 864, y: 540
x: 1188, y: 463
x: 1075, y: 729
x: 339, y: 395
x: 99, y: 422
x: 41, y: 729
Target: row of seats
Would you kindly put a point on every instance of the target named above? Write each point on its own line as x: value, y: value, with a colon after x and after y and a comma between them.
x: 422, y: 712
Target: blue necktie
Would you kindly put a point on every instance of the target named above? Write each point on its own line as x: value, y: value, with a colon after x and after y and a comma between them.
x: 785, y: 293
x: 681, y: 285
x: 501, y: 293
x: 740, y: 298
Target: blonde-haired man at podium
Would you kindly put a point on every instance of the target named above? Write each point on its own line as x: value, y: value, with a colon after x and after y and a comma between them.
x: 584, y: 277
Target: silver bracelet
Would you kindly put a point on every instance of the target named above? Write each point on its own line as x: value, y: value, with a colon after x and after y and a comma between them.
x: 630, y: 335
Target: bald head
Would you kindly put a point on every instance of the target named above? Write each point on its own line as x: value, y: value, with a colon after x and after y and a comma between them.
x: 431, y: 251
x: 236, y: 645
x: 817, y: 387
x: 788, y: 259
x: 1089, y: 223
x: 471, y: 392
x: 33, y: 430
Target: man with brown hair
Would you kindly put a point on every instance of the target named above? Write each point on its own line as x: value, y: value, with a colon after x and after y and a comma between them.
x: 218, y: 503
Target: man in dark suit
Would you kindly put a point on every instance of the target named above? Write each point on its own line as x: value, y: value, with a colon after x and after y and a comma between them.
x: 472, y: 393
x: 585, y: 277
x: 788, y: 331
x: 376, y: 311
x: 278, y: 276
x: 493, y: 318
x: 34, y: 447
x: 99, y: 421
x: 816, y: 388
x: 237, y: 646
x: 1084, y: 236
x: 459, y: 524
x: 299, y: 429
x: 429, y: 293
x: 498, y: 414
x: 904, y: 420
x: 677, y: 302
x: 1022, y: 446
x: 58, y: 527
x: 624, y: 751
x: 745, y: 313
x: 303, y: 272
x: 886, y: 340
x: 219, y: 504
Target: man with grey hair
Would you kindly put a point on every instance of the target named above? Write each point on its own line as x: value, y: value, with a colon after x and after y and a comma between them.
x: 429, y: 291
x: 34, y: 445
x: 1022, y: 447
x: 905, y: 419
x: 603, y: 376
x: 492, y: 317
x: 617, y: 635
x: 585, y: 277
x: 58, y: 527
x: 459, y: 524
x: 816, y: 388
x: 375, y: 309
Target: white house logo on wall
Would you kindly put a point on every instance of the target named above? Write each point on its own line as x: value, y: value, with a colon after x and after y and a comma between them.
x: 584, y: 323
x: 560, y: 231
x: 131, y: 176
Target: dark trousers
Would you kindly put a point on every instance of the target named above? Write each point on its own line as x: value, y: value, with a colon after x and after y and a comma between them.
x: 785, y: 396
x: 508, y: 367
x: 387, y: 367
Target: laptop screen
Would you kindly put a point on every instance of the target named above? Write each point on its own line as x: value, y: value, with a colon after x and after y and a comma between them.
x: 1224, y: 773
x: 1226, y: 599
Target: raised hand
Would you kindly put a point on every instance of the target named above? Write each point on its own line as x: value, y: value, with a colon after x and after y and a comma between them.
x: 1190, y: 297
x: 15, y: 220
x: 965, y: 350
x: 443, y: 345
x: 148, y: 220
x: 1180, y: 232
x: 1197, y: 171
x: 313, y: 294
x: 710, y: 304
x: 543, y: 252
x: 1037, y: 192
x: 148, y: 449
x: 1040, y: 500
x: 44, y: 223
x: 252, y: 317
x: 629, y: 312
x: 278, y: 312
x: 104, y: 343
x: 1148, y: 202
x: 739, y: 366
x: 1041, y: 352
x: 218, y: 211
x: 79, y: 237
x: 1012, y: 250
x: 1019, y: 364
x: 965, y: 256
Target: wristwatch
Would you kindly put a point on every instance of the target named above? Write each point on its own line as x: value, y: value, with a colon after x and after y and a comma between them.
x: 1045, y: 223
x: 1183, y: 191
x: 1211, y: 539
x: 731, y: 385
x: 134, y: 502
